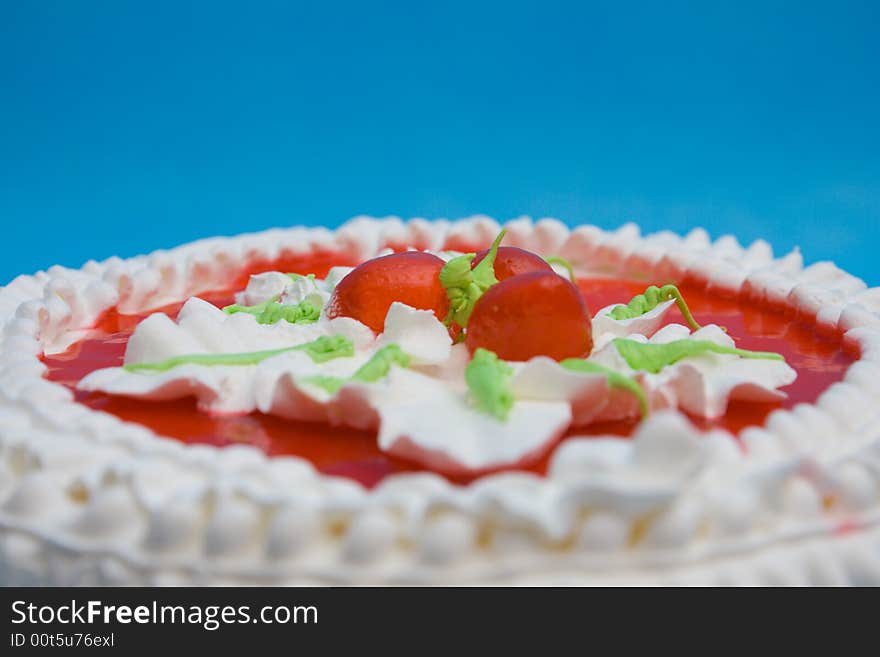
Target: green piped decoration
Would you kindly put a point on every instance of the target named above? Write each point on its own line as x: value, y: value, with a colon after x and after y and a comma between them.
x: 373, y: 370
x: 615, y: 379
x: 650, y: 299
x: 464, y: 286
x: 565, y: 264
x: 488, y: 381
x: 650, y: 357
x: 307, y: 311
x: 321, y: 350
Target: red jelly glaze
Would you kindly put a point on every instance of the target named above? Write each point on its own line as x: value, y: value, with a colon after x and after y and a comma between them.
x: 819, y: 361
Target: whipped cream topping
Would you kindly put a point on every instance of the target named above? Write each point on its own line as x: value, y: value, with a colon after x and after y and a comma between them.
x: 420, y: 416
x: 418, y: 333
x: 264, y: 286
x: 290, y: 289
x: 589, y: 395
x: 657, y: 462
x: 606, y: 328
x: 86, y: 498
x: 424, y: 419
x: 702, y: 385
x: 202, y: 328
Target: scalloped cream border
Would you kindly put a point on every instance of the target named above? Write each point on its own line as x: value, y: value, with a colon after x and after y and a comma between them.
x: 88, y: 499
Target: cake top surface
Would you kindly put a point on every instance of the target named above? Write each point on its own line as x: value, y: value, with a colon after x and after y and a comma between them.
x: 435, y: 395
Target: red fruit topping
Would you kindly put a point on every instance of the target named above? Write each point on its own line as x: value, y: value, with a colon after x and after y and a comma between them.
x: 534, y: 314
x: 367, y: 292
x: 512, y: 261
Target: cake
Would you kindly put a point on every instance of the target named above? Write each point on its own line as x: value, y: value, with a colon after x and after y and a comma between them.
x: 269, y: 409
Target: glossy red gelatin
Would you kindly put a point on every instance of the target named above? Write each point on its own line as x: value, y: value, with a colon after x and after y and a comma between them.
x: 819, y: 361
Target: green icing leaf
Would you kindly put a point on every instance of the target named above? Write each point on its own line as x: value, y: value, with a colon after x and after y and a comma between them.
x: 615, y: 379
x: 328, y: 347
x: 380, y: 363
x: 649, y: 357
x: 650, y: 299
x: 556, y: 260
x: 321, y: 350
x: 299, y: 277
x: 250, y: 310
x: 373, y: 370
x: 306, y: 311
x: 465, y: 285
x: 331, y: 384
x: 488, y: 380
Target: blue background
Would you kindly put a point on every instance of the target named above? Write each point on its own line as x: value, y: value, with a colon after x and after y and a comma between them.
x: 126, y: 127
